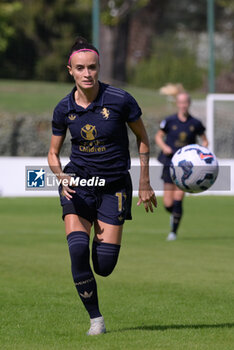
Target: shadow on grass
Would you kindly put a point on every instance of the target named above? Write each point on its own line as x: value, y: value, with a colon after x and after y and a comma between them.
x: 211, y: 238
x: 179, y: 326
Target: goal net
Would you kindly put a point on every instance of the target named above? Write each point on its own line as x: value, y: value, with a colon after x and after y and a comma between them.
x: 220, y: 124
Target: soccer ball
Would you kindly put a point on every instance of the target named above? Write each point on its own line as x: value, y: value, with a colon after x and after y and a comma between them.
x: 194, y: 168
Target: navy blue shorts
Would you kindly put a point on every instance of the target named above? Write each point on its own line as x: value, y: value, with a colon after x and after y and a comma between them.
x: 110, y: 203
x: 166, y: 176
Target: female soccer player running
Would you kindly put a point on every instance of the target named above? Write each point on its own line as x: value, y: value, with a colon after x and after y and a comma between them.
x: 96, y: 115
x: 176, y: 131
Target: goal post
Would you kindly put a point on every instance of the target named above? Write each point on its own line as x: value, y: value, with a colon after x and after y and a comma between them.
x: 220, y: 124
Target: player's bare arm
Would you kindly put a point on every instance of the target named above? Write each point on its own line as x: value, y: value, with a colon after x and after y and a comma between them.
x: 55, y: 164
x: 95, y: 148
x: 146, y: 193
x: 204, y: 140
x: 159, y: 139
x: 176, y: 131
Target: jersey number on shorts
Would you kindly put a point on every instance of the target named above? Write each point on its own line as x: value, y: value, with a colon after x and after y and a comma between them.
x: 120, y: 196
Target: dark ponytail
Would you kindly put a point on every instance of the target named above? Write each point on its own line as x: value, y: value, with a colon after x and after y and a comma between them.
x: 81, y: 44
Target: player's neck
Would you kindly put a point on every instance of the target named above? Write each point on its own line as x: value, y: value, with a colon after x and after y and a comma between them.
x: 84, y: 97
x: 183, y: 116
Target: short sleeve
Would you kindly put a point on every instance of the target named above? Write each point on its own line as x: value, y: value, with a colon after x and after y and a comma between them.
x: 59, y: 127
x: 200, y: 128
x: 132, y: 111
x: 164, y: 125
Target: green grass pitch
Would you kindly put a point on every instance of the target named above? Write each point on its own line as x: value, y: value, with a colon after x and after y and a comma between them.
x: 37, y: 97
x: 162, y: 295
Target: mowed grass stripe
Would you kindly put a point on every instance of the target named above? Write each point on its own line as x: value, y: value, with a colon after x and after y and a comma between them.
x: 162, y: 295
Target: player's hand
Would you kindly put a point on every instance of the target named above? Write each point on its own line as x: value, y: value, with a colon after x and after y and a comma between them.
x: 66, y: 190
x: 167, y: 150
x: 147, y: 197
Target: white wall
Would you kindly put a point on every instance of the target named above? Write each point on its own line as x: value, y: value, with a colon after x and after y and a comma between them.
x: 13, y: 177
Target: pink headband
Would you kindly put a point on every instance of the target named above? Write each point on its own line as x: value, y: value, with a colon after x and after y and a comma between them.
x: 69, y: 61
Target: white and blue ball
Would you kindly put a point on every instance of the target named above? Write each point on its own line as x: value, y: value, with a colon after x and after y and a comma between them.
x: 194, y: 168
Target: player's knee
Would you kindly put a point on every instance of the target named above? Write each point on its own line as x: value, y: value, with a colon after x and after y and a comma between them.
x: 168, y: 202
x: 105, y: 257
x: 104, y: 270
x: 78, y: 243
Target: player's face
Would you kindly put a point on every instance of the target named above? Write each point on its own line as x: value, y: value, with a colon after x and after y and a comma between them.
x: 84, y: 69
x: 183, y: 103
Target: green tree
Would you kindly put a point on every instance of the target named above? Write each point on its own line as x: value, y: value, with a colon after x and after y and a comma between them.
x: 7, y: 29
x: 127, y: 26
x: 227, y: 4
x: 170, y: 62
x: 227, y: 24
x: 44, y: 32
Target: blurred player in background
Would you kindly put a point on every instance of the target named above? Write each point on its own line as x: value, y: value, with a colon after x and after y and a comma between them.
x: 96, y: 115
x: 176, y: 131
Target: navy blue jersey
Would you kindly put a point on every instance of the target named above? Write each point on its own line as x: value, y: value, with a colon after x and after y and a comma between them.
x: 99, y: 132
x: 179, y: 134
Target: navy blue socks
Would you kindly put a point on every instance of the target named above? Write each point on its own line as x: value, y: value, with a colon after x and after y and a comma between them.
x: 78, y: 242
x: 105, y: 256
x: 169, y: 209
x: 177, y: 214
